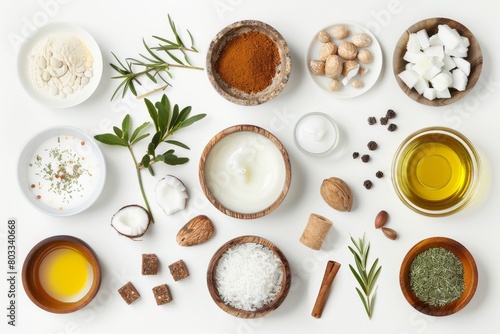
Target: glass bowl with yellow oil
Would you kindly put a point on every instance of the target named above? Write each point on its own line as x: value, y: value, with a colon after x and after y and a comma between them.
x: 61, y: 274
x: 436, y: 171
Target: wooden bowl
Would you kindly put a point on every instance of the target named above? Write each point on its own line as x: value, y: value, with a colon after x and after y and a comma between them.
x: 266, y: 309
x: 470, y: 276
x: 216, y: 192
x: 474, y: 56
x: 233, y: 94
x: 32, y: 281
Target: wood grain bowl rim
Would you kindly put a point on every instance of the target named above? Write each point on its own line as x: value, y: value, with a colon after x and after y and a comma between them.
x: 206, y: 152
x: 283, y: 70
x: 35, y: 257
x: 474, y: 56
x: 285, y: 284
x: 470, y: 276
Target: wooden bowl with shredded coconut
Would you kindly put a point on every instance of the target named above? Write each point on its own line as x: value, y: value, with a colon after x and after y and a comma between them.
x: 249, y: 277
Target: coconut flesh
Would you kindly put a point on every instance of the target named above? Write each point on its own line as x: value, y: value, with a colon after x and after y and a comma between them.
x: 131, y: 221
x: 171, y: 194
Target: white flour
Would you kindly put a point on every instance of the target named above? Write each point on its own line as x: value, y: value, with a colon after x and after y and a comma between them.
x: 60, y: 65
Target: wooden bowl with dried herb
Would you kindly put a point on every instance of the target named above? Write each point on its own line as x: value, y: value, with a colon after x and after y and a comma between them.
x: 248, y: 62
x: 249, y: 277
x: 438, y: 276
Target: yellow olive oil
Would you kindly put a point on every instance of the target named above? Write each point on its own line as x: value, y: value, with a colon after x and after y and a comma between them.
x: 435, y: 171
x: 65, y: 274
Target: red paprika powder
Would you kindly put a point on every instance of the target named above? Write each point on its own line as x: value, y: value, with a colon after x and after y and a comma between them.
x: 248, y: 62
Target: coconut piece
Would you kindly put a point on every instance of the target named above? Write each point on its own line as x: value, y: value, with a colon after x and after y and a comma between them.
x: 423, y: 38
x: 459, y: 79
x: 171, y: 194
x: 131, y: 221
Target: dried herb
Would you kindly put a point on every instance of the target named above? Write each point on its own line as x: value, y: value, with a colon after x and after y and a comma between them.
x: 365, y: 277
x: 152, y: 65
x: 166, y: 121
x: 436, y: 276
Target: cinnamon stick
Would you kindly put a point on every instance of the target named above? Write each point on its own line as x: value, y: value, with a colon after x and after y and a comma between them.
x: 331, y: 270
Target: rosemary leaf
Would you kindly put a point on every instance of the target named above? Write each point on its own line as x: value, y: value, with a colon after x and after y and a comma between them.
x: 365, y: 278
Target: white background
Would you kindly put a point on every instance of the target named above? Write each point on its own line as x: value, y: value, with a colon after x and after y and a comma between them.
x: 118, y: 27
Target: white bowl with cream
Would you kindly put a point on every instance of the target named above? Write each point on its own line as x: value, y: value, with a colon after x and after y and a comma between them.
x: 245, y: 171
x: 61, y: 171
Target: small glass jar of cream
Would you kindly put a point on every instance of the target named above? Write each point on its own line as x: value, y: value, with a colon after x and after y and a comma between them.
x: 316, y: 134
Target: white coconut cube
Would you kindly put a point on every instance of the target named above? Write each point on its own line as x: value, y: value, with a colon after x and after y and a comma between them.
x: 434, y: 40
x: 462, y: 64
x: 421, y: 85
x: 459, y: 51
x: 465, y: 42
x: 413, y: 57
x: 442, y: 81
x: 430, y: 93
x: 423, y: 38
x: 450, y: 37
x: 435, y: 51
x: 443, y: 94
x: 413, y: 44
x: 409, y: 77
x: 449, y: 63
x: 433, y: 71
x: 459, y: 79
x: 423, y: 65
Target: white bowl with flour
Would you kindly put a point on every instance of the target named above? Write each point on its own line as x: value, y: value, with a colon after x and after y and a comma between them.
x: 60, y: 65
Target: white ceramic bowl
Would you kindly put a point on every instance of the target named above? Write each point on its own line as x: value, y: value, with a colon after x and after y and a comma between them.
x: 23, y: 65
x: 61, y: 171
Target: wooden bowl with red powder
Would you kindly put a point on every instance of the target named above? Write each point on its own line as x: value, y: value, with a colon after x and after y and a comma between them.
x: 248, y: 62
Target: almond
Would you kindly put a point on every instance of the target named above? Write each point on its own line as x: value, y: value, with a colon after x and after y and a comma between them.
x: 381, y: 219
x: 389, y: 233
x: 196, y: 231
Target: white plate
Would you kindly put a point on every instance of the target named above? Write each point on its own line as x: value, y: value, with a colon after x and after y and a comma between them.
x: 369, y: 78
x: 24, y: 61
x: 82, y: 147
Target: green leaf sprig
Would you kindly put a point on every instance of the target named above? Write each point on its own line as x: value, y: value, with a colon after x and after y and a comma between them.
x: 365, y: 277
x: 167, y: 121
x: 152, y: 65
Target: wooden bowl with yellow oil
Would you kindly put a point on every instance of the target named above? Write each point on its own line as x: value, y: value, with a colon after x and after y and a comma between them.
x: 436, y: 171
x: 61, y: 274
x: 470, y: 276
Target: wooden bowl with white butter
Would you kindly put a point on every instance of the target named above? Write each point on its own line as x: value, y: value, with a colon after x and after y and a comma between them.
x: 249, y: 277
x: 473, y: 56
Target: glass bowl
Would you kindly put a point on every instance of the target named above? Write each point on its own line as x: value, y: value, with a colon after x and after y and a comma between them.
x: 436, y: 171
x: 316, y: 134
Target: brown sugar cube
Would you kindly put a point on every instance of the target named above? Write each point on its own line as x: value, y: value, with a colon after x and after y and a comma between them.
x: 162, y: 294
x: 149, y: 264
x: 129, y: 293
x: 178, y: 270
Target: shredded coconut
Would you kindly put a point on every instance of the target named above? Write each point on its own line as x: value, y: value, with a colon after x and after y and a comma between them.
x: 60, y: 65
x: 248, y: 276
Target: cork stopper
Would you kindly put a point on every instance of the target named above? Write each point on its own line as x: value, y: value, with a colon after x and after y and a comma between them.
x: 315, y: 231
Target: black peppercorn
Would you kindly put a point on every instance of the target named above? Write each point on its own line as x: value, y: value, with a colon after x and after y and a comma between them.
x: 372, y: 120
x: 355, y: 155
x: 392, y: 127
x: 390, y: 114
x: 365, y: 158
x: 384, y: 120
x: 379, y: 174
x: 367, y: 184
x: 372, y: 146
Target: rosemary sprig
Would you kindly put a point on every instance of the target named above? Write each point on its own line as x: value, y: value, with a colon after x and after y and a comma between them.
x: 152, y: 65
x: 167, y: 121
x: 365, y: 277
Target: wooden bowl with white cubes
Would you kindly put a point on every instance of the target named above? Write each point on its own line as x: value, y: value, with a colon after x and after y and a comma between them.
x: 437, y: 61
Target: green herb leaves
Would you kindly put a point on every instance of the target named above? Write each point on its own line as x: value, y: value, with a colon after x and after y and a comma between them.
x: 365, y: 277
x: 152, y: 65
x: 166, y: 120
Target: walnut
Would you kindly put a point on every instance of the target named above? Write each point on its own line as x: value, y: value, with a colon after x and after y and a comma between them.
x: 337, y: 194
x: 326, y: 50
x: 317, y: 67
x: 333, y: 66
